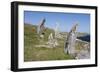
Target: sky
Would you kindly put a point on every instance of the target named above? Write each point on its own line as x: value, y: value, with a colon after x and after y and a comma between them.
x: 65, y: 20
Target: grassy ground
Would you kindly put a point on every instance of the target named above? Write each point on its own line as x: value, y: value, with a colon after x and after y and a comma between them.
x: 32, y: 53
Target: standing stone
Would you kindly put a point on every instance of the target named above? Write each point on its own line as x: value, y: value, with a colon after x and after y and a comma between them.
x: 57, y: 33
x: 70, y: 41
x: 41, y: 28
x: 52, y: 42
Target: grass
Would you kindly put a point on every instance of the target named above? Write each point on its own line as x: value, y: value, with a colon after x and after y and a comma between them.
x: 32, y: 53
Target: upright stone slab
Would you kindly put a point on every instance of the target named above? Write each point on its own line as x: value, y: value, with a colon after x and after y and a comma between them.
x: 57, y: 33
x: 41, y: 28
x: 70, y: 41
x: 52, y: 42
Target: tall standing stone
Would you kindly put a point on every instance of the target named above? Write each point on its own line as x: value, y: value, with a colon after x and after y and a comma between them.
x: 41, y: 28
x: 70, y: 41
x: 57, y: 33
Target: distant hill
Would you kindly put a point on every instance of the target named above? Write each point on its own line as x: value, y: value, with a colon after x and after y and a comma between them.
x: 85, y: 38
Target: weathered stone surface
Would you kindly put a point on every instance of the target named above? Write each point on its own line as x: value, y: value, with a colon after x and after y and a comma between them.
x: 41, y: 28
x: 69, y: 47
x: 57, y: 32
x: 84, y: 53
x: 52, y: 42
